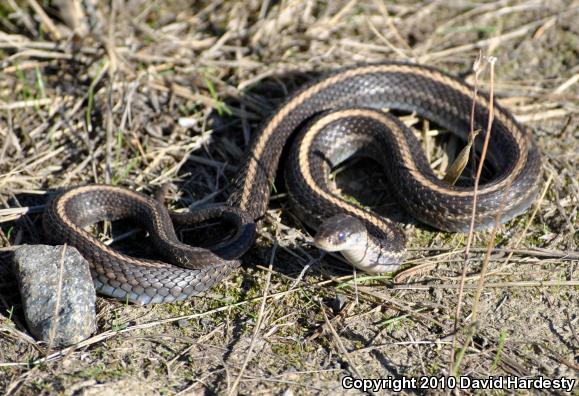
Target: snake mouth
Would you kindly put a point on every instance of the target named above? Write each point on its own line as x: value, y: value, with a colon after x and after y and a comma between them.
x: 326, y: 245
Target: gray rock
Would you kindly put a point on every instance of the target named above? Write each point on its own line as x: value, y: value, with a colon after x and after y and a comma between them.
x: 37, y: 268
x: 338, y: 303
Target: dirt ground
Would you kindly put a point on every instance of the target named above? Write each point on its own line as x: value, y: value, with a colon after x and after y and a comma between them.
x: 141, y: 93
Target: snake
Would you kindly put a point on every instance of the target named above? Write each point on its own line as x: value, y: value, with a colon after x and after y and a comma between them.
x: 327, y: 122
x: 188, y: 271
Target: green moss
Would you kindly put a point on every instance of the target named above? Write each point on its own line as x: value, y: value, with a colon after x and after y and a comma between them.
x: 103, y: 373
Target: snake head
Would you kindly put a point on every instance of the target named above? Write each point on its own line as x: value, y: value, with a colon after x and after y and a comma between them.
x: 341, y: 232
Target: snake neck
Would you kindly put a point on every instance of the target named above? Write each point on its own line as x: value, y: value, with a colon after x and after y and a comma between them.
x: 372, y: 257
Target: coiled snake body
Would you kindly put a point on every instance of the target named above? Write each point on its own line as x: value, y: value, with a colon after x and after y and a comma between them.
x: 343, y: 117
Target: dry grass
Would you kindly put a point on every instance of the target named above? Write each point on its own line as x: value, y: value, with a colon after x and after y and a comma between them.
x: 147, y: 93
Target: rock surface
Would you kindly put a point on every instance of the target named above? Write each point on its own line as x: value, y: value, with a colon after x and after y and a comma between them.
x: 58, y: 315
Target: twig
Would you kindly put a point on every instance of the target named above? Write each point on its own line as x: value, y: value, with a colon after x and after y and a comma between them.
x: 556, y: 283
x: 56, y: 316
x: 341, y: 346
x: 248, y: 355
x: 474, y: 311
x: 477, y: 70
x: 492, y: 61
x: 50, y: 26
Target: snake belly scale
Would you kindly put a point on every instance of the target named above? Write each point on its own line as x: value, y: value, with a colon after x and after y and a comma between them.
x: 341, y: 112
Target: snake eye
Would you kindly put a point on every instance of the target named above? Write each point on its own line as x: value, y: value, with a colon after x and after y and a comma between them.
x: 341, y: 236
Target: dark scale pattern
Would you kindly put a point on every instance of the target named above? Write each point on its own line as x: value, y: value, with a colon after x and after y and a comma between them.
x: 350, y: 135
x: 137, y: 280
x: 431, y: 94
x: 397, y: 86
